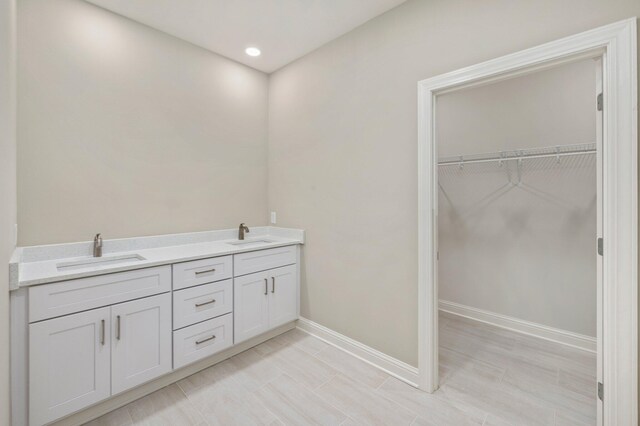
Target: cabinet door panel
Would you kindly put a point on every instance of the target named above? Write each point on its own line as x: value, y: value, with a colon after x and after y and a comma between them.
x: 250, y: 306
x: 283, y: 295
x: 69, y: 364
x: 141, y: 334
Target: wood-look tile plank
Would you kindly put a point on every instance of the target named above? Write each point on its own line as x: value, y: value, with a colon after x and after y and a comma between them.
x: 492, y: 420
x: 543, y: 387
x: 295, y: 337
x: 206, y: 377
x: 304, y: 341
x: 432, y: 409
x: 362, y: 404
x: 352, y: 366
x: 226, y: 401
x: 475, y: 347
x: 167, y: 407
x: 574, y: 381
x: 507, y: 403
x: 564, y: 418
x: 119, y: 417
x: 251, y: 369
x: 294, y: 404
x: 302, y: 366
x: 455, y: 364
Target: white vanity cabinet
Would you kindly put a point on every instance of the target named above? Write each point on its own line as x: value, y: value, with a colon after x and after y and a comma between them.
x: 250, y: 305
x: 283, y: 295
x: 82, y: 358
x: 141, y: 341
x: 264, y: 300
x: 88, y: 339
x: 69, y: 364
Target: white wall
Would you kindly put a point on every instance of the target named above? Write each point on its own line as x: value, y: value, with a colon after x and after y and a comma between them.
x: 128, y: 131
x: 343, y: 147
x: 7, y: 187
x: 526, y: 251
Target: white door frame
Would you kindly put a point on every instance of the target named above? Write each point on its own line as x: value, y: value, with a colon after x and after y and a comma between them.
x: 616, y: 44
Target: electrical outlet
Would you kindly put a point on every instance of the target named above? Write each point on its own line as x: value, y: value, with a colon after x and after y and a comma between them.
x: 273, y: 218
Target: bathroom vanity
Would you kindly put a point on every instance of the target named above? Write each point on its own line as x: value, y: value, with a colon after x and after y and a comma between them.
x: 84, y: 330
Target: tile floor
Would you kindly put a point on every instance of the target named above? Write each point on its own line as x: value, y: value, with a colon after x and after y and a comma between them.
x: 489, y: 377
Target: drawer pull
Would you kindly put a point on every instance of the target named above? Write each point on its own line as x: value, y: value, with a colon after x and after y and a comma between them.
x: 118, y: 327
x: 205, y: 303
x: 199, y: 342
x: 205, y: 272
x: 273, y: 284
x: 266, y: 286
x: 102, y: 333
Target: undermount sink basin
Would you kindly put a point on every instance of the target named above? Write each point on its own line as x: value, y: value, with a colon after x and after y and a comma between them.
x: 99, y: 261
x: 250, y: 241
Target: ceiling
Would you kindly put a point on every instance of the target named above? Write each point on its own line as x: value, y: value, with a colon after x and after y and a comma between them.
x: 283, y: 30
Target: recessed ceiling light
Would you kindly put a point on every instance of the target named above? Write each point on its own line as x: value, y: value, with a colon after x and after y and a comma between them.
x: 252, y: 51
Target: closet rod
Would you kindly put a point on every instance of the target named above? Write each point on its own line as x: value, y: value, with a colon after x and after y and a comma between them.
x: 515, y: 155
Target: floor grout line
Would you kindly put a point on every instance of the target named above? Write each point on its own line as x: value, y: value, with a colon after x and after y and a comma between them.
x: 382, y: 384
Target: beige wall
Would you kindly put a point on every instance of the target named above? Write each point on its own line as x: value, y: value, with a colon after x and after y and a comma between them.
x: 343, y: 146
x: 127, y: 131
x: 7, y: 187
x: 526, y: 251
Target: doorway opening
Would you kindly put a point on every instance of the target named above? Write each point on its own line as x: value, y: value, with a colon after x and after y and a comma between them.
x: 608, y: 161
x: 518, y: 213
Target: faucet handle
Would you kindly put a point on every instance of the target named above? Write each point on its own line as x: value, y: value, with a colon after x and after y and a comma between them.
x: 97, y: 246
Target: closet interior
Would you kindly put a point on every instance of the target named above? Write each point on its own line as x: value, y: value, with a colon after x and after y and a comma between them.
x: 517, y: 230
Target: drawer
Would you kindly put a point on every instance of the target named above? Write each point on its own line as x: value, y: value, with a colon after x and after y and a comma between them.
x: 195, y: 304
x: 202, y: 340
x: 261, y: 260
x: 189, y: 274
x: 67, y: 297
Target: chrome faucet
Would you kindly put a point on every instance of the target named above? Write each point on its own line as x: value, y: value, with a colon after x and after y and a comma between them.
x: 97, y: 246
x: 241, y: 230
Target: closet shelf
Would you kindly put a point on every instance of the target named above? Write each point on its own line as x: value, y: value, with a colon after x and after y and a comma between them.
x: 520, y: 154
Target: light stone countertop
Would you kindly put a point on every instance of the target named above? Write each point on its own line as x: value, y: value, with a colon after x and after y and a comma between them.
x: 39, y: 264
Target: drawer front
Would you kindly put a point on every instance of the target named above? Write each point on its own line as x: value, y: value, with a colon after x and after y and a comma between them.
x: 189, y: 274
x: 67, y: 297
x: 195, y: 304
x: 202, y: 340
x: 261, y: 260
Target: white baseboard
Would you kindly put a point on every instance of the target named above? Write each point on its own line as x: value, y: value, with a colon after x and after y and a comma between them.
x: 389, y: 365
x: 568, y: 338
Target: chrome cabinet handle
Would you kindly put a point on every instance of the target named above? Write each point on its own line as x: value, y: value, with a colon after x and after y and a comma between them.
x: 102, y: 333
x: 273, y: 284
x: 205, y: 303
x: 205, y: 272
x: 266, y: 286
x: 118, y: 327
x: 199, y: 342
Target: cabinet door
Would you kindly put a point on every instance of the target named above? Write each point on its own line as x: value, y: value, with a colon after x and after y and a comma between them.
x: 69, y: 364
x: 283, y: 295
x: 250, y: 306
x: 141, y: 335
